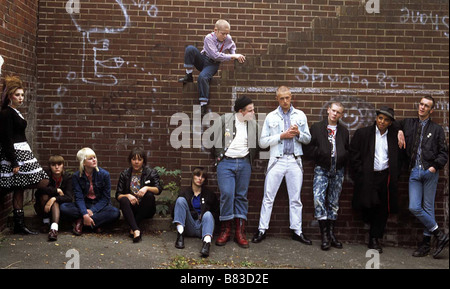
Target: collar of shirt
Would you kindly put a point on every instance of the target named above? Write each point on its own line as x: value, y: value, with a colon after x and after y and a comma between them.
x: 280, y: 110
x: 377, y: 131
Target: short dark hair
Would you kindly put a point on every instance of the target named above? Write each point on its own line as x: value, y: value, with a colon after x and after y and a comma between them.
x: 429, y: 97
x: 140, y: 153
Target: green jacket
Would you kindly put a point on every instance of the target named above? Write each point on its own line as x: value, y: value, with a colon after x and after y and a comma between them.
x: 224, y: 132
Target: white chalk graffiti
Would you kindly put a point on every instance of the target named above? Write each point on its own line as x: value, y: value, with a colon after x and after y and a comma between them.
x: 97, y: 47
x: 425, y: 18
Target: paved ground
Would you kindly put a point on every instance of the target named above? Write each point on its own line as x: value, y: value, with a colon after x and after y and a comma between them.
x: 115, y: 250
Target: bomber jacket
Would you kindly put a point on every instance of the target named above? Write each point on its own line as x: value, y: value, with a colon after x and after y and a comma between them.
x: 149, y: 177
x: 102, y: 188
x: 274, y: 126
x: 434, y: 147
x: 319, y: 149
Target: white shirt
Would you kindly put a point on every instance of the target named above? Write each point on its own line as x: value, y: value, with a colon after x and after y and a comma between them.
x: 239, y: 146
x: 332, y: 130
x: 381, y: 161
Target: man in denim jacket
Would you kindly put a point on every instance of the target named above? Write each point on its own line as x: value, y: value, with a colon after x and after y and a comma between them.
x: 285, y: 130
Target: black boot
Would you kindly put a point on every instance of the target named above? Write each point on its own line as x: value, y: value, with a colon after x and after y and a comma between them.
x: 179, y: 243
x: 424, y: 247
x: 441, y: 241
x: 187, y: 78
x: 323, y: 224
x: 334, y: 241
x: 19, y: 223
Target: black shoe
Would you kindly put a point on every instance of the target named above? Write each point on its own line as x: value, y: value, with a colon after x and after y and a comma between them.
x: 442, y: 241
x: 258, y: 237
x: 179, y: 243
x: 138, y: 238
x: 301, y: 238
x: 374, y: 244
x: 205, y: 249
x: 187, y: 78
x: 424, y: 247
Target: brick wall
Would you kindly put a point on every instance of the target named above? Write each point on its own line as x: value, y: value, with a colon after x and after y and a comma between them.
x: 107, y: 79
x: 18, y: 25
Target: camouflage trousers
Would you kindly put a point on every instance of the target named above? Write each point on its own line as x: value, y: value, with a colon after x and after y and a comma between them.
x: 327, y: 187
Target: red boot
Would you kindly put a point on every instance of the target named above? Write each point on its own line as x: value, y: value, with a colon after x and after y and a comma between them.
x: 240, y: 237
x: 225, y: 233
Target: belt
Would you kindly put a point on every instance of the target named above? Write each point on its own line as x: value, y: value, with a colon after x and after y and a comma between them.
x: 229, y: 158
x: 210, y: 59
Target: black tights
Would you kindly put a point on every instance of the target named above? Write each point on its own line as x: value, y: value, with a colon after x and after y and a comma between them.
x: 18, y: 193
x: 41, y: 202
x: 135, y: 214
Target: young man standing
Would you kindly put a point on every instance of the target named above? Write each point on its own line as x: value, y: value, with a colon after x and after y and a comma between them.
x: 329, y: 149
x: 374, y: 155
x: 427, y: 151
x: 285, y: 130
x: 235, y: 147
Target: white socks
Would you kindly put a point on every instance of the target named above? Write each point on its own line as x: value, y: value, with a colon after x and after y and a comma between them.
x: 207, y: 239
x: 54, y: 226
x: 180, y: 229
x: 189, y: 70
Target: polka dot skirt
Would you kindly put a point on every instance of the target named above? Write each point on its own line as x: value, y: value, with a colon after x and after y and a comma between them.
x: 30, y: 171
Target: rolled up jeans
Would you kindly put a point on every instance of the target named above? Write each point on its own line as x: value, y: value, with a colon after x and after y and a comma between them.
x: 194, y: 228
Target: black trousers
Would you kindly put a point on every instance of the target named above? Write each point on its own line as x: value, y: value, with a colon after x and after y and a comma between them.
x: 134, y: 214
x: 377, y: 216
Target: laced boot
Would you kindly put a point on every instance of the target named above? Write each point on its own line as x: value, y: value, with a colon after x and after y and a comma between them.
x: 424, y: 247
x: 19, y: 223
x: 240, y: 237
x: 225, y: 233
x: 334, y: 241
x: 441, y: 241
x: 324, y: 233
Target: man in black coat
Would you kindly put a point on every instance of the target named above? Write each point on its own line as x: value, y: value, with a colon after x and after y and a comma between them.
x: 374, y: 157
x: 329, y: 148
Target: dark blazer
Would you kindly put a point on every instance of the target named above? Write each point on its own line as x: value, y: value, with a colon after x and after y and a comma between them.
x: 362, y: 155
x: 319, y: 149
x: 65, y: 186
x: 434, y: 146
x: 12, y: 130
x: 149, y: 177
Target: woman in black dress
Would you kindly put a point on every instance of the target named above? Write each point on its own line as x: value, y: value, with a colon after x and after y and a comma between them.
x: 19, y: 168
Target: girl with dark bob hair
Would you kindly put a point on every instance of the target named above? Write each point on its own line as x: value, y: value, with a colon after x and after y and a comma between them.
x: 136, y: 191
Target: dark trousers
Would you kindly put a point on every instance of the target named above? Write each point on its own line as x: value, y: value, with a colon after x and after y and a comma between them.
x: 134, y: 214
x: 207, y: 67
x: 377, y: 216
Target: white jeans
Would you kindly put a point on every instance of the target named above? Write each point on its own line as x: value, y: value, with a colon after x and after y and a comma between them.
x: 292, y: 169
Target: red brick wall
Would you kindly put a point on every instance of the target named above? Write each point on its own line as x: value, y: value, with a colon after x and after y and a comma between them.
x: 321, y: 49
x: 18, y: 25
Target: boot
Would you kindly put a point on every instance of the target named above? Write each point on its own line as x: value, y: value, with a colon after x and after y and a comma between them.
x: 187, y: 78
x: 424, y: 247
x: 324, y: 233
x: 334, y: 241
x: 19, y: 223
x: 225, y: 233
x: 239, y: 237
x: 442, y: 241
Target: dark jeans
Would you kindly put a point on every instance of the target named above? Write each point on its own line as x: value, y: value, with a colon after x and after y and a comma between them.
x: 377, y: 216
x: 207, y: 67
x: 107, y: 215
x: 134, y: 214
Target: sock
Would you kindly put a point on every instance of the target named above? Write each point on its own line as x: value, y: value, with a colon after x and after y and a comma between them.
x: 189, y: 70
x: 203, y: 103
x: 180, y: 229
x: 207, y: 239
x: 262, y: 231
x: 46, y: 220
x: 54, y: 226
x: 298, y: 232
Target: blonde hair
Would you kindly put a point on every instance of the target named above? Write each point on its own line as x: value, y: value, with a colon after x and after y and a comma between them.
x: 282, y: 90
x: 84, y: 154
x: 221, y: 24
